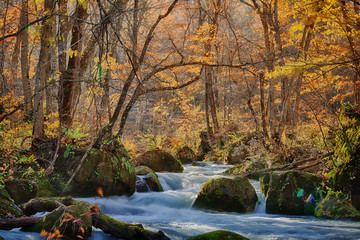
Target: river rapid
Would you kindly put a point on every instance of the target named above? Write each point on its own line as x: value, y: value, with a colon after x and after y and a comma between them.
x: 170, y: 211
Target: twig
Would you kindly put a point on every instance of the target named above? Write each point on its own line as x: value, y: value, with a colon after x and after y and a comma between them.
x: 79, y: 166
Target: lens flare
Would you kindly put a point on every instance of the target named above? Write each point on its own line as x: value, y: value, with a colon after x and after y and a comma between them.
x: 310, y: 198
x: 300, y: 193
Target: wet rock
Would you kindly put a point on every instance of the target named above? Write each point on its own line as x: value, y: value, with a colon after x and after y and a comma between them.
x: 149, y: 180
x: 336, y: 206
x: 198, y: 164
x: 185, y: 155
x: 141, y: 186
x: 8, y: 208
x: 231, y: 195
x: 218, y: 235
x: 113, y: 172
x: 248, y: 168
x: 292, y: 193
x: 159, y: 161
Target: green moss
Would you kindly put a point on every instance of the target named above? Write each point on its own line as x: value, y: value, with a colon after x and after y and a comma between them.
x: 68, y: 220
x: 264, y: 183
x: 8, y: 208
x: 234, y: 195
x: 248, y: 168
x: 218, y: 235
x: 283, y: 189
x: 336, y: 206
x: 102, y: 169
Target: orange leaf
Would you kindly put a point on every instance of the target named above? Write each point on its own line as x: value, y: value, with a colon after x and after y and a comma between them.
x: 82, y: 230
x: 96, y: 208
x: 100, y: 192
x: 44, y: 233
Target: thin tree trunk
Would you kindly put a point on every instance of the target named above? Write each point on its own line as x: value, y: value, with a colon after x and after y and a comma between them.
x: 24, y: 19
x: 304, y: 48
x: 42, y: 73
x: 3, y: 81
x: 71, y: 83
x: 107, y: 130
x: 262, y: 107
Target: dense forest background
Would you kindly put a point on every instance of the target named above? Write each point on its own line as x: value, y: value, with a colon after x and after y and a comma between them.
x: 161, y: 72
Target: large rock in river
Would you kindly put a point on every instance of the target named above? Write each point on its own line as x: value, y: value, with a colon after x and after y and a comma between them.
x: 159, y: 161
x: 113, y: 172
x: 292, y: 193
x: 224, y: 194
x: 219, y: 235
x: 336, y: 206
x: 150, y: 178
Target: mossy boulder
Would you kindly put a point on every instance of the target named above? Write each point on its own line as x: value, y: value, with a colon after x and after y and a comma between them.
x: 112, y: 172
x: 219, y: 235
x: 21, y: 190
x: 71, y: 221
x: 186, y: 155
x: 159, y: 161
x: 336, y: 206
x: 230, y: 195
x: 8, y: 208
x: 293, y: 193
x: 150, y: 177
x: 248, y: 168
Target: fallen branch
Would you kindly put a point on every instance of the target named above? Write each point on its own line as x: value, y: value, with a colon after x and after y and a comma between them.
x: 18, y: 222
x: 292, y: 165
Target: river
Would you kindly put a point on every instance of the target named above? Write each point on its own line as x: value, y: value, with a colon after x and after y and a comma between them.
x: 170, y: 211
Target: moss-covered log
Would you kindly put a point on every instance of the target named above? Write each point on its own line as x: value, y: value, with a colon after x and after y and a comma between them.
x: 45, y: 204
x: 125, y: 230
x: 64, y: 216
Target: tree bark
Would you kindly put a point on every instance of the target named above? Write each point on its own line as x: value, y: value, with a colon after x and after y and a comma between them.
x: 42, y: 73
x: 24, y: 19
x: 19, y: 222
x: 70, y: 83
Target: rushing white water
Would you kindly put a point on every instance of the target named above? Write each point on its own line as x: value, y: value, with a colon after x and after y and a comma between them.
x: 171, y: 212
